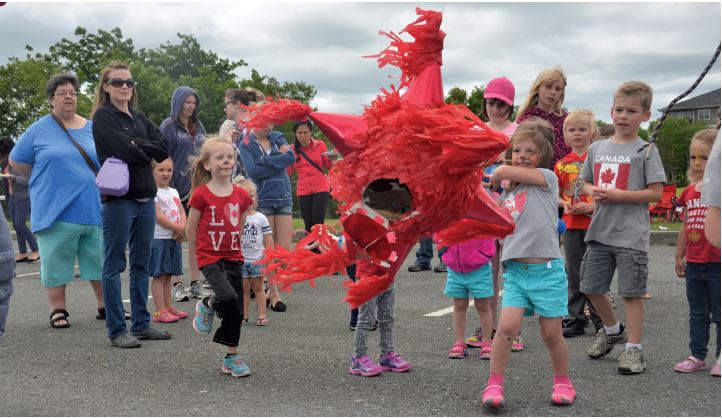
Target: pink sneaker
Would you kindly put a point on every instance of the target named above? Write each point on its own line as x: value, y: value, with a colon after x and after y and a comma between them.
x: 365, y: 366
x: 691, y: 364
x: 493, y: 396
x: 180, y: 314
x: 517, y: 344
x: 563, y: 394
x: 485, y: 350
x: 164, y: 317
x: 715, y: 369
x: 394, y: 362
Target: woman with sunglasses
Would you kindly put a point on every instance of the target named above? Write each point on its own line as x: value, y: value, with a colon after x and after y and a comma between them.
x: 65, y: 201
x: 121, y: 132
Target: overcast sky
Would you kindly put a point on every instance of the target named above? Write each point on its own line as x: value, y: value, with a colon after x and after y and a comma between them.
x: 598, y: 45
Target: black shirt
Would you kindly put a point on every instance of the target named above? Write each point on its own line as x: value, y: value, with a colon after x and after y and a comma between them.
x: 136, y: 141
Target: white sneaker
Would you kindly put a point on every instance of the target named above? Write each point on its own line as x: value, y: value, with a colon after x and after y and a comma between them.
x: 178, y: 293
x: 197, y: 291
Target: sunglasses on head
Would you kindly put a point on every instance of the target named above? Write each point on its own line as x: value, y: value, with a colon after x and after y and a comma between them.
x: 120, y: 82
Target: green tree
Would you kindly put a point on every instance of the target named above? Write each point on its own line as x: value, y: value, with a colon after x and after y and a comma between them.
x: 673, y: 143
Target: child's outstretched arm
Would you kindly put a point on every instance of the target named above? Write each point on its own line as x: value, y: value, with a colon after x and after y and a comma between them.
x: 531, y: 176
x: 191, y: 232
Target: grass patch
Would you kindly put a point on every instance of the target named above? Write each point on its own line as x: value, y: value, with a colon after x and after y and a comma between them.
x: 298, y: 223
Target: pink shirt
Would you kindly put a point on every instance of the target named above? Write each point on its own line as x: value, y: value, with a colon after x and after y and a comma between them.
x: 310, y: 179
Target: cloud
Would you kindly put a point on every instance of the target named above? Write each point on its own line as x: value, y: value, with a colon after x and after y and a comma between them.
x: 599, y: 45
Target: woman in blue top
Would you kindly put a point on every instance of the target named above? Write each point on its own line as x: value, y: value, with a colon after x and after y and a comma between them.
x: 266, y: 155
x: 63, y: 192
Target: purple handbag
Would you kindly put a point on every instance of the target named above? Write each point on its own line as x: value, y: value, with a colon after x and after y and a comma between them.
x: 113, y: 177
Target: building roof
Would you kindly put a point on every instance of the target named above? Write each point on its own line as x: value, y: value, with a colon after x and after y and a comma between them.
x: 705, y: 100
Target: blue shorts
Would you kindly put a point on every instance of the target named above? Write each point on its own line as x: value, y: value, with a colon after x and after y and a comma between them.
x: 252, y: 270
x: 63, y: 242
x: 275, y: 210
x: 166, y: 258
x: 539, y: 288
x: 477, y: 284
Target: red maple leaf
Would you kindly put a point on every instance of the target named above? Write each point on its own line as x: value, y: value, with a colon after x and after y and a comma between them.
x: 608, y: 176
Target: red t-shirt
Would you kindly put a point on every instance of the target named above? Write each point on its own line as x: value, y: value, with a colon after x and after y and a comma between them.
x: 310, y: 179
x: 220, y: 226
x: 698, y: 248
x: 567, y: 170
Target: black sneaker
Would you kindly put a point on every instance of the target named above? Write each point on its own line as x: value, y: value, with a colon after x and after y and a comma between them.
x: 418, y: 268
x: 573, y: 328
x: 150, y: 334
x: 441, y: 267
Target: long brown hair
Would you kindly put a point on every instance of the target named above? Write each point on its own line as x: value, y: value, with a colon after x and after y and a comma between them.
x: 541, y: 133
x: 199, y: 174
x: 102, y: 97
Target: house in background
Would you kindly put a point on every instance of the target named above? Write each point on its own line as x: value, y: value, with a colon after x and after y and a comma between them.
x: 699, y: 108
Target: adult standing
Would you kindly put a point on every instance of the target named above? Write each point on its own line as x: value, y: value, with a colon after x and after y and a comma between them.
x: 312, y: 188
x: 121, y: 132
x: 266, y: 155
x: 185, y: 134
x: 18, y: 199
x: 62, y: 185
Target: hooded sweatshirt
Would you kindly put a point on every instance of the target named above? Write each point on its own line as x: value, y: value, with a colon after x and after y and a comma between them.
x: 181, y: 144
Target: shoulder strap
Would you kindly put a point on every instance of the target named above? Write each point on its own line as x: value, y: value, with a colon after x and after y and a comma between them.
x: 313, y: 163
x: 87, y: 159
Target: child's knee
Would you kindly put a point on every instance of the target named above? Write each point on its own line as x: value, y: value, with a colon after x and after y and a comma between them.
x: 482, y: 304
x: 551, y: 334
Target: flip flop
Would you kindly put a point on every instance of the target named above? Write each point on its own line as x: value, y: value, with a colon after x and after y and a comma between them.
x: 262, y: 321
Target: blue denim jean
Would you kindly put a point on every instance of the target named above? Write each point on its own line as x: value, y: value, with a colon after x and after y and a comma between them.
x: 426, y: 252
x: 703, y: 296
x: 127, y: 223
x: 19, y: 212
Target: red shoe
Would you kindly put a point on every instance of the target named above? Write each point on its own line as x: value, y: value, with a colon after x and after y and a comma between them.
x: 563, y: 394
x: 485, y: 352
x: 493, y: 397
x: 164, y: 317
x: 180, y: 314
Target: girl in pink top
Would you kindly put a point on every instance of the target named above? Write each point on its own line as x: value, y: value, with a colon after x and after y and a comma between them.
x: 312, y: 187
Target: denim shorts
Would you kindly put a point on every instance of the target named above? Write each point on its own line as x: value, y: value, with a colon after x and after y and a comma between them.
x: 252, y: 270
x: 61, y: 243
x: 275, y: 210
x: 166, y: 258
x: 599, y: 263
x: 477, y: 283
x: 539, y: 288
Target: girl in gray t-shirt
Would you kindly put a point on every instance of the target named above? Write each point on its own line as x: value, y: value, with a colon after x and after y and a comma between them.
x: 534, y: 277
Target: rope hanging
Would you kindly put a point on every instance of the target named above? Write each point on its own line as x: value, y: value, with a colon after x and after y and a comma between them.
x: 666, y: 112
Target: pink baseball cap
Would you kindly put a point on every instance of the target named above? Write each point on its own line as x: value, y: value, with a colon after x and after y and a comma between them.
x: 500, y: 88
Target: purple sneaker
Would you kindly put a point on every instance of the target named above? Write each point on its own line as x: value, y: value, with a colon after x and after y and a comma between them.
x: 394, y: 362
x: 365, y: 366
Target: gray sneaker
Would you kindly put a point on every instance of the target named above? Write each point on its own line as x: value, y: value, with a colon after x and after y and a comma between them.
x: 125, y: 341
x: 178, y: 293
x: 197, y: 291
x: 631, y: 361
x: 603, y: 343
x: 150, y: 334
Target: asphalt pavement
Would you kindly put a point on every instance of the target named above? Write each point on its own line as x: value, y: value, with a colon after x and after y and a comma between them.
x: 300, y: 361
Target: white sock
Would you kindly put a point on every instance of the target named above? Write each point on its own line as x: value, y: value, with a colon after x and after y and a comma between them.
x: 613, y: 330
x: 633, y: 345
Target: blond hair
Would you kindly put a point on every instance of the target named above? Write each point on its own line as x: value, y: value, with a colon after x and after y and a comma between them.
x: 548, y: 75
x: 246, y: 184
x: 102, y: 97
x: 199, y: 174
x: 636, y: 89
x: 541, y: 133
x: 584, y: 116
x: 706, y: 137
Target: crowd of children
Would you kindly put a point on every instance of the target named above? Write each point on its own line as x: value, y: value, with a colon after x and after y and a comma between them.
x: 553, y: 169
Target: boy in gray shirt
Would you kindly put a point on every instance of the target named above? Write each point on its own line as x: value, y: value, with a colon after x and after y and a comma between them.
x: 622, y: 182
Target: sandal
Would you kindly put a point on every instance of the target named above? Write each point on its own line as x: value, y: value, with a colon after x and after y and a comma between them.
x: 244, y: 320
x: 458, y: 351
x: 279, y: 306
x: 262, y: 321
x: 101, y: 314
x: 58, y: 316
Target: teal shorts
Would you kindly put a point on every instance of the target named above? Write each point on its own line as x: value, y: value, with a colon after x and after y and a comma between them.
x: 477, y: 283
x: 539, y: 288
x: 61, y: 243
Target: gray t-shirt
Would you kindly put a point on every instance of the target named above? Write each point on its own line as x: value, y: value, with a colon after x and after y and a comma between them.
x: 534, y: 209
x: 711, y: 183
x: 621, y: 224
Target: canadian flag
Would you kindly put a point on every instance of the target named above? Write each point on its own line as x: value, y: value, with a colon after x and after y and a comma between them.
x: 611, y: 175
